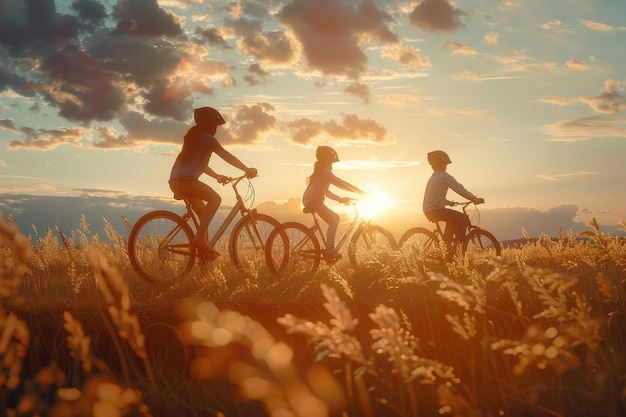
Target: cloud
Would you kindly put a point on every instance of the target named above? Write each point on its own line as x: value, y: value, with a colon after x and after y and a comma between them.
x: 585, y: 129
x: 459, y: 48
x: 145, y: 18
x: 248, y: 125
x: 466, y: 75
x: 556, y: 177
x: 558, y: 100
x: 491, y: 38
x: 437, y: 17
x: 399, y: 100
x: 46, y: 139
x: 406, y: 55
x: 140, y: 130
x: 601, y: 27
x: 306, y: 131
x: 577, y: 65
x: 360, y: 90
x: 330, y: 33
x: 611, y: 100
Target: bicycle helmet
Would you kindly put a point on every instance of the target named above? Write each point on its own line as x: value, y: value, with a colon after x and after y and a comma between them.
x: 208, y: 116
x: 326, y: 154
x: 438, y: 158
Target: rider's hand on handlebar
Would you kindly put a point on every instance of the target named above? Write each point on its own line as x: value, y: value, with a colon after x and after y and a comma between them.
x: 478, y: 201
x: 251, y: 172
x: 222, y: 179
x: 345, y: 200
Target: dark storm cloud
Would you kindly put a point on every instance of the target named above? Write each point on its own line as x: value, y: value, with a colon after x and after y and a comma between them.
x: 144, y: 18
x: 89, y: 11
x: 90, y: 77
x: 34, y: 26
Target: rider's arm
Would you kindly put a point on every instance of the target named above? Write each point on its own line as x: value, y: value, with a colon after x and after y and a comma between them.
x: 458, y: 188
x: 211, y: 173
x: 344, y: 185
x: 233, y: 160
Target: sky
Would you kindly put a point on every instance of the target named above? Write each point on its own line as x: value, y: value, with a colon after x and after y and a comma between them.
x: 527, y: 97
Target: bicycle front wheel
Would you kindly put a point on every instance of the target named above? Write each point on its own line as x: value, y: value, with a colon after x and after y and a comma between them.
x: 159, y: 246
x: 480, y: 243
x: 368, y: 242
x: 292, y: 250
x: 422, y: 246
x: 248, y: 239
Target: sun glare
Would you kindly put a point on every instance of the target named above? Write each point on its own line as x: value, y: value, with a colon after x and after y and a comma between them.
x: 375, y: 202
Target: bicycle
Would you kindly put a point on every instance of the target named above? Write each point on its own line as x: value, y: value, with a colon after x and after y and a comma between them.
x: 430, y: 247
x: 159, y: 244
x: 294, y: 248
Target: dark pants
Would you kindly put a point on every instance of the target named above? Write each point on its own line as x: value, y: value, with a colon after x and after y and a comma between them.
x: 456, y: 222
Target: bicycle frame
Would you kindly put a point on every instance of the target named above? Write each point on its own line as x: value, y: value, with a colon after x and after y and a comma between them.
x: 238, y: 207
x: 356, y: 220
x: 470, y: 226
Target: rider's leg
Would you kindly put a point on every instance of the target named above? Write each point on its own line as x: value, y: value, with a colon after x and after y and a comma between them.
x: 456, y: 224
x: 197, y: 192
x: 332, y: 220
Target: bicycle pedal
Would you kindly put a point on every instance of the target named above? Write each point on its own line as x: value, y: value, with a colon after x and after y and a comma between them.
x: 332, y: 257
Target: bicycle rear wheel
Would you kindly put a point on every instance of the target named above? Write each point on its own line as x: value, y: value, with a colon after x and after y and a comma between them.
x: 368, y: 242
x: 248, y: 239
x: 159, y: 246
x: 292, y: 250
x: 422, y: 246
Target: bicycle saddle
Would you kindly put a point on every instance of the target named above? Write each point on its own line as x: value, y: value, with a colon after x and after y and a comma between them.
x: 307, y: 210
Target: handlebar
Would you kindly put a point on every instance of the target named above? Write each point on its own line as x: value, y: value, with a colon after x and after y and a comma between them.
x: 234, y: 180
x: 463, y: 203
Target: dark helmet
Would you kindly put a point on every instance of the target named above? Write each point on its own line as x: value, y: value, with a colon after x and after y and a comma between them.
x: 438, y: 158
x: 208, y: 116
x: 326, y: 154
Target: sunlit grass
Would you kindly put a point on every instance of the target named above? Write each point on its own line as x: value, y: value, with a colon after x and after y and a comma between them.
x: 538, y: 331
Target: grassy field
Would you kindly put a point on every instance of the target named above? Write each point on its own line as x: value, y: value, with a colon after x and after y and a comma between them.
x: 539, y: 331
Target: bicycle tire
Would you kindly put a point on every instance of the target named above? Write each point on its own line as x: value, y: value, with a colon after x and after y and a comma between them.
x: 482, y: 242
x: 150, y: 258
x: 368, y: 242
x: 246, y: 245
x: 422, y: 246
x: 292, y: 250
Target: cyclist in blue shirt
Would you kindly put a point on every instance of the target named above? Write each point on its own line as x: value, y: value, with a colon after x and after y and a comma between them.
x: 192, y: 161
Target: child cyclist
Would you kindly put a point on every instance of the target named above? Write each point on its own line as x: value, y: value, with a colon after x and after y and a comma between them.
x: 435, y: 198
x: 192, y: 161
x: 317, y: 189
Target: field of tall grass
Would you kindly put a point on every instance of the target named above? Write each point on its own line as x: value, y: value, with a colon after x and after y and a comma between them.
x: 539, y: 331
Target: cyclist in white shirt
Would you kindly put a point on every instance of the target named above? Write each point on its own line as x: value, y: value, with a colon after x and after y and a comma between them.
x: 317, y: 190
x: 435, y: 201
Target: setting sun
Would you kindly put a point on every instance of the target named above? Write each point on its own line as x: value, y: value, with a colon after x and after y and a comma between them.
x: 374, y: 203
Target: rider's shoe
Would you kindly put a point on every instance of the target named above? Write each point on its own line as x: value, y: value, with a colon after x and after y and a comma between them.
x: 331, y: 255
x: 206, y: 249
